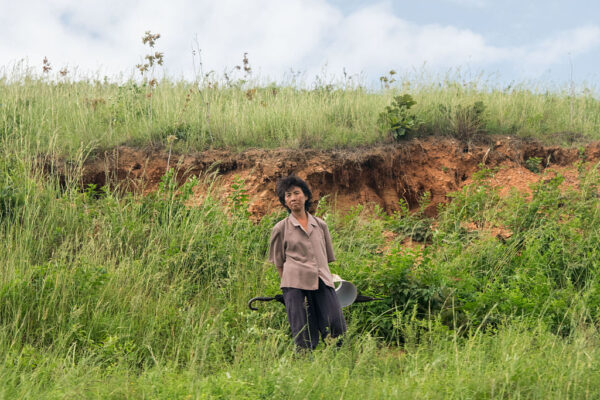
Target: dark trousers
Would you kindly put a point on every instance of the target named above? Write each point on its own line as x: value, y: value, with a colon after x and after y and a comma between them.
x: 311, y: 312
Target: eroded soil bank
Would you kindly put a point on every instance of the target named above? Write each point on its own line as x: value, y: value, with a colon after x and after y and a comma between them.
x: 376, y: 175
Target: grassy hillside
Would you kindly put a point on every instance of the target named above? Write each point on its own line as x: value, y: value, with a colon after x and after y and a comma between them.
x: 105, y: 294
x: 55, y: 114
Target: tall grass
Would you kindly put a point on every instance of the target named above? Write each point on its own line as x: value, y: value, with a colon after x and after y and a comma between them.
x: 60, y: 115
x: 513, y: 363
x: 112, y: 295
x: 105, y: 294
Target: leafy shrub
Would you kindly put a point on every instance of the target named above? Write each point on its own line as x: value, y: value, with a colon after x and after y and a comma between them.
x: 416, y: 225
x: 169, y: 201
x: 534, y: 164
x: 545, y: 271
x: 396, y: 120
x: 239, y: 199
x: 409, y: 283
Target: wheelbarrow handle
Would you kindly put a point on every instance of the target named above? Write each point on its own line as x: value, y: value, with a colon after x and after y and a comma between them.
x: 278, y: 297
x: 364, y: 299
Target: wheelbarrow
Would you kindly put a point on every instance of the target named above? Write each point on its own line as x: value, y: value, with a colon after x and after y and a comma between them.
x: 345, y: 291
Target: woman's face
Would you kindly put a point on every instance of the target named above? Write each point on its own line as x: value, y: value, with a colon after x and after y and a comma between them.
x: 295, y: 199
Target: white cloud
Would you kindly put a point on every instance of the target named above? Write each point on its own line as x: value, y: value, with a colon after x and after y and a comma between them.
x: 561, y: 46
x: 277, y: 34
x: 374, y: 39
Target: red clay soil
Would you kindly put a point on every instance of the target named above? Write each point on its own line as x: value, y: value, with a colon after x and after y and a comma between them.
x: 375, y: 175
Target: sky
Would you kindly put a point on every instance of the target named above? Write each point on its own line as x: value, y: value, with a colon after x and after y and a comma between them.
x: 544, y: 42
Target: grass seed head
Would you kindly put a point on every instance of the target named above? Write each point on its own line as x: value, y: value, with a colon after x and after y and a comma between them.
x: 150, y: 38
x: 246, y: 62
x: 142, y: 68
x: 46, y: 67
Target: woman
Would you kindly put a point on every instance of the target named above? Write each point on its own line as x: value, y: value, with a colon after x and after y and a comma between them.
x: 301, y: 250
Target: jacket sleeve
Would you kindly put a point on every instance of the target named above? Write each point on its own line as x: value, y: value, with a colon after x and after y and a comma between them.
x: 328, y: 244
x: 276, y: 247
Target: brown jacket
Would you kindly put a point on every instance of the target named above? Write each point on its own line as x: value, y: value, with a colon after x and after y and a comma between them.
x: 304, y: 255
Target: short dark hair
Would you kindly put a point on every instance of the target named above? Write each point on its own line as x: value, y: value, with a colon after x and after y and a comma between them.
x: 284, y: 184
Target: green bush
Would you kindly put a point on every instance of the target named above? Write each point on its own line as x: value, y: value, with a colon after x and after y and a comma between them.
x: 534, y: 164
x: 396, y: 120
x: 414, y: 225
x: 546, y: 271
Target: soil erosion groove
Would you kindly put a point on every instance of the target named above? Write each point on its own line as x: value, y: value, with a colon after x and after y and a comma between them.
x: 375, y: 175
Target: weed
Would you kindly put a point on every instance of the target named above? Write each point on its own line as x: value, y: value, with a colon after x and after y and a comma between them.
x: 239, y: 198
x: 46, y: 66
x: 149, y: 66
x: 188, y: 98
x: 246, y: 65
x: 396, y: 120
x: 534, y: 164
x: 387, y: 80
x: 413, y: 225
x: 465, y: 122
x: 170, y: 140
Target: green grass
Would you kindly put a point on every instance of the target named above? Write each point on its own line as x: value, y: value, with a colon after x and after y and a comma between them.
x: 108, y: 295
x: 62, y: 117
x: 105, y: 294
x: 512, y: 363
